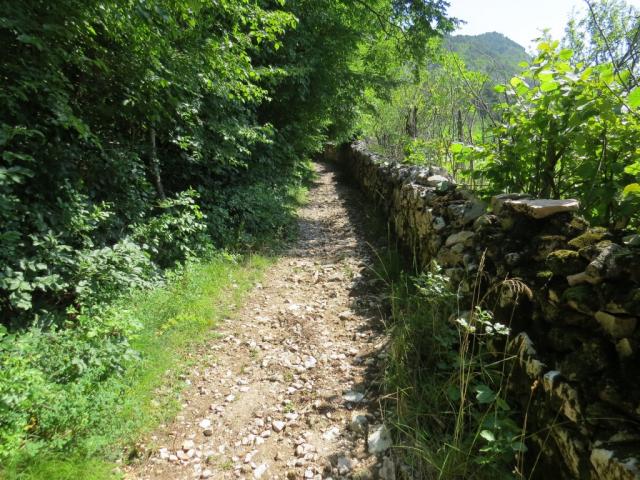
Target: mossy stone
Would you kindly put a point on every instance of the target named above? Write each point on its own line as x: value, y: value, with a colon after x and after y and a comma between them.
x: 565, y: 262
x: 544, y: 274
x: 590, y: 252
x: 590, y: 237
x: 543, y: 245
x: 583, y: 296
x: 576, y: 226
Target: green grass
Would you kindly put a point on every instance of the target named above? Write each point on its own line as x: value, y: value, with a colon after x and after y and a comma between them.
x: 175, y: 319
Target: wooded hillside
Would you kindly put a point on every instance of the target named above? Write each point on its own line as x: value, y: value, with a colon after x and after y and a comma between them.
x: 491, y: 53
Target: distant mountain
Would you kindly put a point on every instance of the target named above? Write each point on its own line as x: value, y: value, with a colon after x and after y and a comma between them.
x: 491, y: 53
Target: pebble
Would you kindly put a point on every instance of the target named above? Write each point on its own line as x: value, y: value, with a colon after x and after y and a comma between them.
x: 344, y: 465
x: 358, y: 423
x: 331, y: 434
x: 260, y: 471
x: 353, y: 397
x: 310, y: 362
x: 188, y: 445
x: 379, y: 439
x: 278, y: 426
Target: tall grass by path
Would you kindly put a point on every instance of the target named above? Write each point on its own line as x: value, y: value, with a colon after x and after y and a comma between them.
x: 444, y: 388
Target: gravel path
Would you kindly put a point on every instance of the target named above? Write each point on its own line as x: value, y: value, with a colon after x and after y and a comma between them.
x: 288, y: 392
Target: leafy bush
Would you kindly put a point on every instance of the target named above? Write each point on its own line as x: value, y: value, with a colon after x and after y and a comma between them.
x: 177, y: 232
x: 104, y: 274
x: 49, y: 376
x: 261, y: 213
x: 565, y: 133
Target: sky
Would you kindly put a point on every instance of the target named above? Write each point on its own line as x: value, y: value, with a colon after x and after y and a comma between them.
x: 520, y: 20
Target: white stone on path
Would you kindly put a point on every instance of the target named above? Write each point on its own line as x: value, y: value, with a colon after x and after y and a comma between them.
x: 310, y: 362
x: 358, y: 422
x: 379, y: 439
x: 331, y: 434
x: 188, y: 445
x: 352, y: 396
x: 260, y: 471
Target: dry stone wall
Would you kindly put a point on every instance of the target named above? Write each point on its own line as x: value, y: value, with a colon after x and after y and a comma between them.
x: 574, y: 326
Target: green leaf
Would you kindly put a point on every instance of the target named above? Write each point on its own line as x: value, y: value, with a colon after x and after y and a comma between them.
x: 633, y: 169
x: 633, y: 99
x: 545, y: 76
x: 31, y: 40
x: 518, y: 446
x: 606, y: 73
x: 631, y: 189
x: 502, y: 404
x: 453, y: 393
x: 488, y: 435
x: 565, y: 54
x: 549, y: 86
x: 484, y: 394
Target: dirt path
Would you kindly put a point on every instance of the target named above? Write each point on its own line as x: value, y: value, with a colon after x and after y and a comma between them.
x: 287, y: 392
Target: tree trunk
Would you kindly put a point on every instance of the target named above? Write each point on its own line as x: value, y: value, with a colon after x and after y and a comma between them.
x: 155, y: 166
x: 411, y: 126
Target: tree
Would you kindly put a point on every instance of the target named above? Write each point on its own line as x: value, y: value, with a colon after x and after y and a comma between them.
x: 606, y: 31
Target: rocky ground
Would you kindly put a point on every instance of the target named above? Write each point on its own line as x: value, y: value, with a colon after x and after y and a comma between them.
x: 288, y: 391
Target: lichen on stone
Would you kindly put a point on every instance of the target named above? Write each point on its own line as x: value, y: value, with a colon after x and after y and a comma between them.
x: 565, y: 262
x: 590, y: 237
x: 544, y: 274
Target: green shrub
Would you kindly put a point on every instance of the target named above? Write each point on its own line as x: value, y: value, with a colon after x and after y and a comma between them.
x: 104, y: 274
x: 72, y: 391
x: 49, y: 378
x: 565, y: 132
x: 176, y: 232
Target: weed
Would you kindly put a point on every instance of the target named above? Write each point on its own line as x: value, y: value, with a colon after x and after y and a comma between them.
x: 445, y: 390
